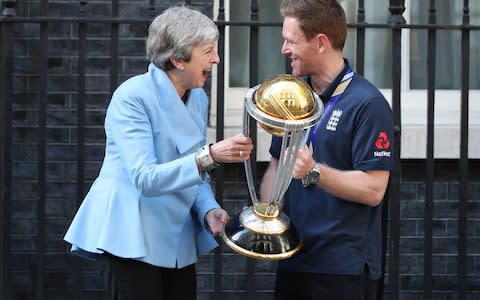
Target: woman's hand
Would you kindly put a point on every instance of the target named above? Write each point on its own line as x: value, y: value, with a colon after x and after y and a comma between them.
x: 216, y: 219
x: 234, y: 149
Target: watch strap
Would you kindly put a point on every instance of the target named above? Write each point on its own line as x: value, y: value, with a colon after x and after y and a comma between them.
x: 312, y: 176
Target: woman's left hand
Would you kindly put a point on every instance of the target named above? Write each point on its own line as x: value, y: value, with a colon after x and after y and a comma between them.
x: 216, y: 219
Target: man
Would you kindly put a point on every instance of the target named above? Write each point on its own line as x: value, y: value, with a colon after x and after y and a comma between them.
x: 340, y: 178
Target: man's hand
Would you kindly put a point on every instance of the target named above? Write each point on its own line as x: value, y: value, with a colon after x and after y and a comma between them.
x: 303, y: 163
x: 216, y: 219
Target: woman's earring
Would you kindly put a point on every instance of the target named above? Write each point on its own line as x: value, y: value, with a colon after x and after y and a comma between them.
x: 181, y: 68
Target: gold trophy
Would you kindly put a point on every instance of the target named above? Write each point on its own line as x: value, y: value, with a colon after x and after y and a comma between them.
x: 284, y: 106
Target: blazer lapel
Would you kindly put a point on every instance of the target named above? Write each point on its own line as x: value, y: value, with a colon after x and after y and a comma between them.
x: 187, y: 133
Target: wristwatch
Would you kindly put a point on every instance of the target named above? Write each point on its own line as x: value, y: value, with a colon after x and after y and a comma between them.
x: 205, y: 159
x: 312, y: 176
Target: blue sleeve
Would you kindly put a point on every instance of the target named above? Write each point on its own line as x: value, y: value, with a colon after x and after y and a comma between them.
x: 275, y: 146
x: 372, y: 146
x: 204, y: 201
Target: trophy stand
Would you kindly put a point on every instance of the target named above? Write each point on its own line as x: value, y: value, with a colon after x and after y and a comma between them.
x: 286, y: 107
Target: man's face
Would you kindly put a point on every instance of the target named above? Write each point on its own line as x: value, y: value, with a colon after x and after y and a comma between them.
x: 296, y: 47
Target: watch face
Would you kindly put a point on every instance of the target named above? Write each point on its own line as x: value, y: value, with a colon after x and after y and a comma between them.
x: 311, y: 177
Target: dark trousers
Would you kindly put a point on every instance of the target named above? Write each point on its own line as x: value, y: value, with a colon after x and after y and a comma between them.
x: 303, y: 286
x: 135, y: 280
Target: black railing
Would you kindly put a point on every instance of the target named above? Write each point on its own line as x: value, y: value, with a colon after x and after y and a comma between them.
x: 10, y: 94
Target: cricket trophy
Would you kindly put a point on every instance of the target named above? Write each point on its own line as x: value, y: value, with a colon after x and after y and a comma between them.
x: 284, y: 106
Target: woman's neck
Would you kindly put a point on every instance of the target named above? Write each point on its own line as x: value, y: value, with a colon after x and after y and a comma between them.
x: 181, y: 91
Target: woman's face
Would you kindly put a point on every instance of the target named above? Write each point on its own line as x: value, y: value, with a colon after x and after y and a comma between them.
x: 202, y: 59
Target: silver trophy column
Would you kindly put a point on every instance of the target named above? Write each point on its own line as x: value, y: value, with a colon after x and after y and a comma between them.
x: 262, y: 230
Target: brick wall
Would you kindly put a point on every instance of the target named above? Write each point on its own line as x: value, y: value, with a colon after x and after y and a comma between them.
x: 61, y: 271
x: 445, y: 233
x: 445, y: 229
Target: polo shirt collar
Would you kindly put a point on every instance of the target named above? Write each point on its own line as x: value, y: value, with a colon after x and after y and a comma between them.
x: 328, y: 92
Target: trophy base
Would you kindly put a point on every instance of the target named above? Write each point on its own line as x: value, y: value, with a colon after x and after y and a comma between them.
x: 256, y: 236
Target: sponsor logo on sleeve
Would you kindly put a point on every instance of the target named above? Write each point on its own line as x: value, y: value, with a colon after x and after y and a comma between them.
x: 382, y: 145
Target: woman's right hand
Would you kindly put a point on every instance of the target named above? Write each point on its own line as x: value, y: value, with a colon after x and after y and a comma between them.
x: 230, y: 150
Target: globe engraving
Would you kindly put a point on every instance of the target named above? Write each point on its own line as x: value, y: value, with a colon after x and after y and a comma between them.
x: 285, y: 97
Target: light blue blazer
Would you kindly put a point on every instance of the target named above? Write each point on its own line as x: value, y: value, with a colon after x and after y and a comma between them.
x: 149, y: 200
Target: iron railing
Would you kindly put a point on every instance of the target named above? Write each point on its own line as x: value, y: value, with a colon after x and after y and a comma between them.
x: 9, y: 20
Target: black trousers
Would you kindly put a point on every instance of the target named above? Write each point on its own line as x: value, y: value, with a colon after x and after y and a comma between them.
x: 135, y: 280
x: 303, y: 286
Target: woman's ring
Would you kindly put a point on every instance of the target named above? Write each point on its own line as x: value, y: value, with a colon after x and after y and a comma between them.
x: 240, y: 153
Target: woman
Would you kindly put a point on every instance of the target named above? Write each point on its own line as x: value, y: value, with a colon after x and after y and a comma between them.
x: 151, y: 211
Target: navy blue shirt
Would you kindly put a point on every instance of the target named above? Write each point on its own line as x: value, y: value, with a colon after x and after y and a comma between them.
x: 339, y: 236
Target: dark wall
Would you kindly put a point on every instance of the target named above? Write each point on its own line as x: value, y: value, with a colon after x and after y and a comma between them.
x: 445, y: 234
x: 38, y: 214
x: 44, y: 191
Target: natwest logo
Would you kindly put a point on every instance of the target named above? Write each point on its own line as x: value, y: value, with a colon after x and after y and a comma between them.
x: 382, y: 144
x: 382, y: 141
